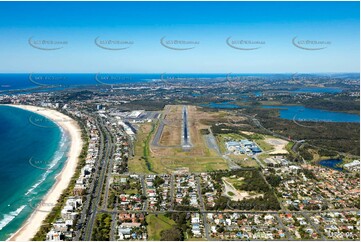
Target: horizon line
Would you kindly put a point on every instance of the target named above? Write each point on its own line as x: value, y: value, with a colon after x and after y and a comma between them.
x: 149, y: 73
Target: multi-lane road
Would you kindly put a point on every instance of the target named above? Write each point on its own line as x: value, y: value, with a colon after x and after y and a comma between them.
x: 84, y: 216
x: 102, y: 167
x: 94, y: 203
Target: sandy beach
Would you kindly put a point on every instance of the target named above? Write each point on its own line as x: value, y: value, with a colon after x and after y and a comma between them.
x: 32, y: 225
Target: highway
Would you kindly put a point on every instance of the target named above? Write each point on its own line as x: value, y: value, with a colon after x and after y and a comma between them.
x: 99, y: 181
x: 110, y: 166
x: 94, y: 203
x: 87, y: 204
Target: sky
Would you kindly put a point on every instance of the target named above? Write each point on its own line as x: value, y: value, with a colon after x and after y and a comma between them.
x: 179, y: 37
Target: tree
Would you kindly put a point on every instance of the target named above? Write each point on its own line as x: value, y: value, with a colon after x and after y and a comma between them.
x: 158, y: 181
x: 173, y: 234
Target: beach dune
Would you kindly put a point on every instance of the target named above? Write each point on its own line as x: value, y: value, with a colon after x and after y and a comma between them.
x: 71, y: 128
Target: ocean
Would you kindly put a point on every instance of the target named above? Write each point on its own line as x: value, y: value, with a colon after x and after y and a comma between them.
x: 32, y: 152
x: 9, y: 82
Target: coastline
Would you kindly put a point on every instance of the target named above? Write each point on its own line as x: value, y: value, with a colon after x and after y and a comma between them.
x: 71, y: 128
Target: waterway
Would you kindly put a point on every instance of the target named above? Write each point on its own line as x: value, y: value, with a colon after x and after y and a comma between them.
x: 301, y: 113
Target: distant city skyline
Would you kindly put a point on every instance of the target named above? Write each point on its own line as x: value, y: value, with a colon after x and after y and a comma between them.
x: 179, y: 37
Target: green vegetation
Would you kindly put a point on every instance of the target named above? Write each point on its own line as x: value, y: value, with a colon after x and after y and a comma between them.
x: 173, y: 234
x: 142, y: 162
x: 253, y: 182
x: 239, y: 135
x: 158, y: 181
x: 101, y: 230
x: 289, y: 146
x: 342, y: 103
x: 166, y: 158
x: 309, y: 174
x: 195, y: 164
x: 204, y: 131
x: 158, y: 224
x: 131, y: 191
x: 146, y: 150
x: 236, y: 181
x: 230, y: 193
x: 231, y: 131
x: 264, y: 145
x: 132, y: 186
x: 273, y: 180
x: 181, y: 224
x: 247, y: 163
x: 231, y: 136
x: 327, y: 138
x: 136, y: 164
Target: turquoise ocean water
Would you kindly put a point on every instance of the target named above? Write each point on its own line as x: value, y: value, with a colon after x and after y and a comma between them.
x: 32, y: 152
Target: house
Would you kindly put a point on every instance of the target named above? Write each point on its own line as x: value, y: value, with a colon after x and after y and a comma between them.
x: 124, y: 233
x: 53, y: 235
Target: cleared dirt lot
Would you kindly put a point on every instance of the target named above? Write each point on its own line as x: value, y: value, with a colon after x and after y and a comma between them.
x: 234, y: 194
x: 279, y: 145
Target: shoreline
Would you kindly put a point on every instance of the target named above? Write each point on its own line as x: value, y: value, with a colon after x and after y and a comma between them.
x: 70, y: 127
